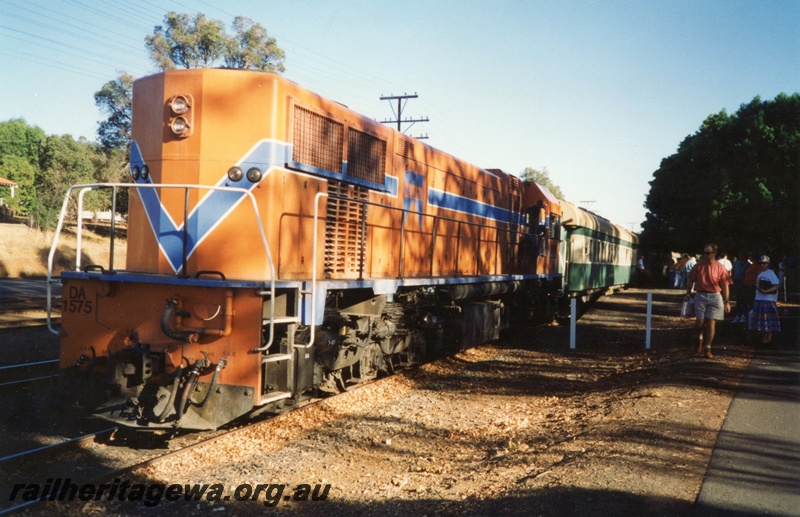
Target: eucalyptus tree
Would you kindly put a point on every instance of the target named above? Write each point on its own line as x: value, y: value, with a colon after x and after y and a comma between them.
x: 542, y: 177
x: 114, y: 99
x: 184, y: 41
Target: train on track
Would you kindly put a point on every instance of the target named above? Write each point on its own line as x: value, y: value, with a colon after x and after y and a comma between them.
x: 281, y: 245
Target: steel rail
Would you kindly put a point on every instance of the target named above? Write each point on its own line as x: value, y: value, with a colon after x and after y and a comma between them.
x: 25, y: 365
x: 59, y: 444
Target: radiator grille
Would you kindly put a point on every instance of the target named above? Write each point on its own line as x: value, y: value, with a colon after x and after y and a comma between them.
x: 366, y: 157
x: 318, y: 140
x: 344, y: 239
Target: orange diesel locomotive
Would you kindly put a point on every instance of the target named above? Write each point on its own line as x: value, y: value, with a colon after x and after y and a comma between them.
x: 280, y: 244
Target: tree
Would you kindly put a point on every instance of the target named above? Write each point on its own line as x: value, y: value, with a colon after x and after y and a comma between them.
x: 542, y: 178
x: 20, y: 171
x: 250, y: 47
x: 186, y: 42
x: 112, y: 167
x: 20, y: 151
x: 183, y: 42
x: 65, y: 162
x: 114, y: 98
x: 44, y: 167
x: 17, y: 138
x: 735, y: 182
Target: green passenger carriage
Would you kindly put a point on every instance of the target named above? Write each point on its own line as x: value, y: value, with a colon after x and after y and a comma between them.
x: 598, y: 254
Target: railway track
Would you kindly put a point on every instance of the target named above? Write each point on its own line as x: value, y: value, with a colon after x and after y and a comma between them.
x: 43, y: 461
x: 24, y: 302
x: 76, y: 460
x: 14, y: 375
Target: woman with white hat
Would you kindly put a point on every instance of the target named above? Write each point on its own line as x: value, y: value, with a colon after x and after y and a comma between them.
x: 767, y: 317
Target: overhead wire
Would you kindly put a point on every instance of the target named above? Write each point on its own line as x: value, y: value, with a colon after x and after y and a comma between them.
x: 51, y: 63
x: 311, y: 68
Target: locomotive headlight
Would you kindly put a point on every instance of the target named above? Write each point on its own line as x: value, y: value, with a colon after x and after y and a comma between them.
x: 145, y: 172
x: 179, y: 104
x: 136, y: 172
x: 235, y: 174
x: 254, y: 175
x: 179, y: 126
x: 180, y: 117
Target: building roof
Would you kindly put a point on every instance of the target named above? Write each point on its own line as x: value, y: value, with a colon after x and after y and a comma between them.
x: 7, y: 183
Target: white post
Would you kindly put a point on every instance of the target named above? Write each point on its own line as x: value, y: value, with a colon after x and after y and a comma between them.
x: 573, y: 316
x: 649, y: 319
x: 784, y: 288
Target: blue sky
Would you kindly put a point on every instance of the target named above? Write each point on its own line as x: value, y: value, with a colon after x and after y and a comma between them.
x: 596, y: 92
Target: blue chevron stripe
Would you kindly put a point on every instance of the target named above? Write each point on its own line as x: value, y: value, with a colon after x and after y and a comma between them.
x: 215, y: 204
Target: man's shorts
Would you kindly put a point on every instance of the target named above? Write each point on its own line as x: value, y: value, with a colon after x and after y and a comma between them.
x: 709, y: 306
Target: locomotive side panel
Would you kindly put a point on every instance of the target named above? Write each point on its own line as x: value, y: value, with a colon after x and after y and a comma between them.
x: 296, y: 227
x: 263, y: 123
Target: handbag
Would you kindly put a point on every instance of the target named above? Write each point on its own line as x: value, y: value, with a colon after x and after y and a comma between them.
x: 687, y: 309
x: 764, y: 284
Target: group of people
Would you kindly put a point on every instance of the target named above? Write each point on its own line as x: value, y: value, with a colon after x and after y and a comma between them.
x: 755, y: 286
x: 680, y: 271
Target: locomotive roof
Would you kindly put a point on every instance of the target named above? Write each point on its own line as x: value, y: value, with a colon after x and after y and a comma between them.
x: 576, y: 217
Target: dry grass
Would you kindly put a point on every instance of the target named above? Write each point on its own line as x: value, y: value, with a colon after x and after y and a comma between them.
x: 24, y: 251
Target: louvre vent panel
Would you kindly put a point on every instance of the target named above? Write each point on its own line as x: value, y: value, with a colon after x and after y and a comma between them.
x: 366, y: 157
x: 405, y: 148
x: 343, y: 230
x: 318, y: 140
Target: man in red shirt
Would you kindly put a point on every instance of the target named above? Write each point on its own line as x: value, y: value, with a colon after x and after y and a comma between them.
x: 712, y: 298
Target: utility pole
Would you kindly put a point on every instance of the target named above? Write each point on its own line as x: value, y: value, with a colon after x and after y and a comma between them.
x: 401, y: 103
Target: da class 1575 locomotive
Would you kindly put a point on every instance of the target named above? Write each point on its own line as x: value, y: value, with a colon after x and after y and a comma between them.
x: 280, y: 245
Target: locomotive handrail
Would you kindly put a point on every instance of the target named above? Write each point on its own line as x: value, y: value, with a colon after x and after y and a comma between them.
x: 114, y: 186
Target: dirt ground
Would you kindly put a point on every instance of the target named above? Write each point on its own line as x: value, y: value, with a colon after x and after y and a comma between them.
x: 522, y: 427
